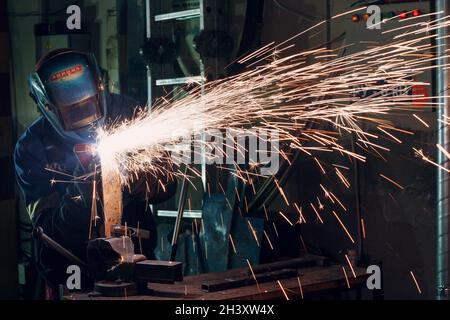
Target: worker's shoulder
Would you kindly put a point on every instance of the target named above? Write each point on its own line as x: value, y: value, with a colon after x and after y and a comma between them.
x: 31, y: 138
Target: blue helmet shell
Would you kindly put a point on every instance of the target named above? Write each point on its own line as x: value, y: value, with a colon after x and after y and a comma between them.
x: 70, y: 93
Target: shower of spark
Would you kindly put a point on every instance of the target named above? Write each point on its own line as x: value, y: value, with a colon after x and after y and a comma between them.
x: 313, y: 99
x: 286, y: 95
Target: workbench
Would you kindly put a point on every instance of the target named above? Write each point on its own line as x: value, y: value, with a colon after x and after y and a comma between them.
x: 315, y: 281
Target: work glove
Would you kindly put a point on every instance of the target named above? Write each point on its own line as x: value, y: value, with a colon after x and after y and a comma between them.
x: 86, y: 173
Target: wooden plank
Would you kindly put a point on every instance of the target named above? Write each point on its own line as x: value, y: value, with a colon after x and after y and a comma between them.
x: 112, y: 196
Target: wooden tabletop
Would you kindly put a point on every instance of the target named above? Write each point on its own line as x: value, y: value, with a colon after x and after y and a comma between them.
x: 313, y: 280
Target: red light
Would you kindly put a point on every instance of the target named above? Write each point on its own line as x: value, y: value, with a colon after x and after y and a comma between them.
x: 416, y: 13
x: 403, y: 15
x: 355, y: 18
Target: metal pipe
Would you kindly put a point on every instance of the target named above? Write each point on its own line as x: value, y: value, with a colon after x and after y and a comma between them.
x: 148, y: 18
x: 176, y: 229
x: 443, y: 179
x: 39, y: 234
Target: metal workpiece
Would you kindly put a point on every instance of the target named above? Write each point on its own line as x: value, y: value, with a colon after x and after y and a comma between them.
x: 158, y: 271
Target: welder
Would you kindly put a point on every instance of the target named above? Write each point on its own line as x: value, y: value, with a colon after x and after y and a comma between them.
x: 50, y: 157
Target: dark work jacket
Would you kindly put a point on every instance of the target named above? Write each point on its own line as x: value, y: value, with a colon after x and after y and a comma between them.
x: 55, y: 207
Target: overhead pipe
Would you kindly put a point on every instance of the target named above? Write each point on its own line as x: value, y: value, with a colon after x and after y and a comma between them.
x: 443, y: 178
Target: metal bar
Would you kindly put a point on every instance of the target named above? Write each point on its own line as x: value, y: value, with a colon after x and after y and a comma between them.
x: 186, y: 14
x: 181, y: 202
x: 296, y: 263
x: 202, y: 83
x: 229, y: 283
x: 148, y: 19
x: 121, y: 231
x: 149, y: 35
x: 39, y: 233
x: 191, y: 214
x: 175, y: 81
x: 202, y: 15
x: 443, y: 179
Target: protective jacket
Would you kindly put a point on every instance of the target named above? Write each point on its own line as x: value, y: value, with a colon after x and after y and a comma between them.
x: 44, y: 163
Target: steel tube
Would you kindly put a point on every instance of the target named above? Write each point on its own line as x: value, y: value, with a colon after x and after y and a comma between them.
x: 443, y: 178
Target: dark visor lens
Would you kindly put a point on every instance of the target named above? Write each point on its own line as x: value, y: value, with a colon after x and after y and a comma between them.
x: 81, y: 114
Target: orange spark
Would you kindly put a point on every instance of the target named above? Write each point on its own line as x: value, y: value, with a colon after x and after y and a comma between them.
x: 299, y: 210
x: 320, y: 165
x: 253, y: 232
x: 232, y: 243
x: 363, y: 228
x: 303, y: 244
x: 268, y: 240
x: 392, y: 181
x: 253, y: 274
x: 286, y: 218
x: 317, y: 213
x: 339, y: 202
x: 275, y: 229
x: 346, y: 277
x: 421, y: 120
x: 281, y: 191
x: 282, y: 289
x: 350, y: 265
x: 300, y: 287
x: 343, y: 227
x: 415, y: 281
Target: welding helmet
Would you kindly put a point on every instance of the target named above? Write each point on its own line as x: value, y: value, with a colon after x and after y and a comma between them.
x: 69, y: 91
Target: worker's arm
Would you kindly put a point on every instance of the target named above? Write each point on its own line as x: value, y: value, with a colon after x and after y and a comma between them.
x: 61, y: 214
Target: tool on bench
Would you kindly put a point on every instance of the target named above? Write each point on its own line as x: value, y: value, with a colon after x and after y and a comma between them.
x: 120, y: 231
x: 265, y: 273
x: 236, y: 282
x: 117, y: 271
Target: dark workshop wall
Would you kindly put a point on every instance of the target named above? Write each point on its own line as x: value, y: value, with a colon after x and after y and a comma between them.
x: 131, y: 27
x: 8, y: 263
x: 400, y: 224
